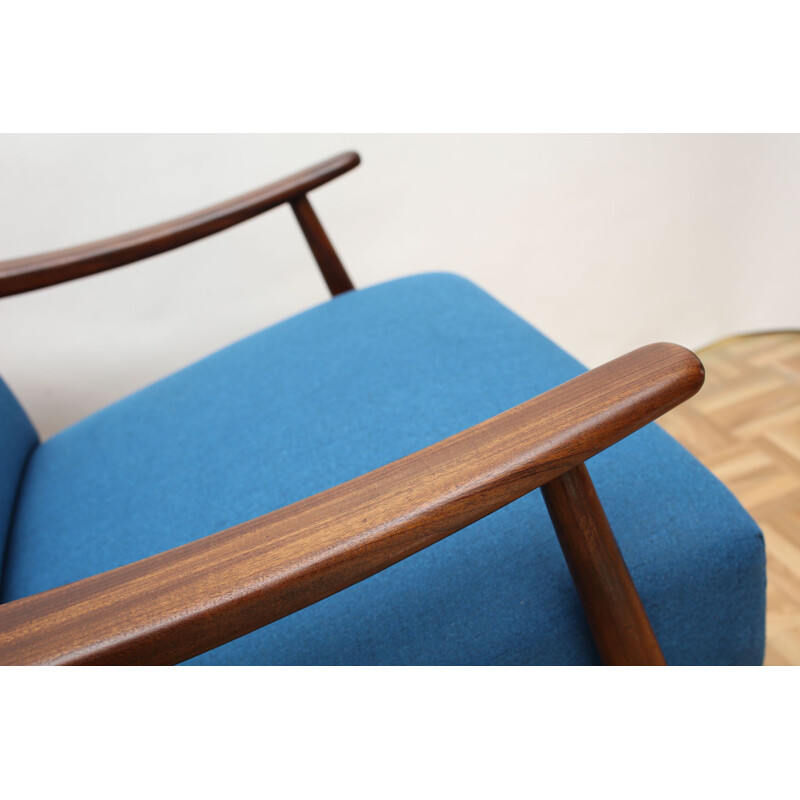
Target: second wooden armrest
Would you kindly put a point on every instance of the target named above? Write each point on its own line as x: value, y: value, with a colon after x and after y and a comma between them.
x: 177, y: 604
x: 47, y: 269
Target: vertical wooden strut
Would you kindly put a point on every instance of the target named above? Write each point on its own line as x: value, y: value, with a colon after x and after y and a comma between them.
x: 331, y: 267
x: 616, y: 616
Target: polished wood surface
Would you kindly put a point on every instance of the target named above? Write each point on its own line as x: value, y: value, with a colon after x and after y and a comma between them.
x: 185, y: 601
x: 617, y: 619
x: 47, y: 269
x: 745, y: 427
x: 333, y: 271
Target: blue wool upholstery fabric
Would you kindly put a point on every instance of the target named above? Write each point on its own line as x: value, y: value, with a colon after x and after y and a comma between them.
x: 346, y: 387
x: 17, y: 439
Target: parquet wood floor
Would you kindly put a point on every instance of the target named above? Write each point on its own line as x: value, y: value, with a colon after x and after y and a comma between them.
x: 744, y: 425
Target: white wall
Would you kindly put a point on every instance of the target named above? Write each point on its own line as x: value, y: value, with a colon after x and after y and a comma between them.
x: 604, y: 242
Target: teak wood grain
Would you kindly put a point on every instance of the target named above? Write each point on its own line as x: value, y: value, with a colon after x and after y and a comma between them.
x: 35, y: 272
x: 185, y: 601
x: 620, y: 628
x: 336, y: 277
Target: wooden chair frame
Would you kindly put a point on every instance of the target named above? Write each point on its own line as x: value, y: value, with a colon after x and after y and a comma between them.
x: 183, y: 602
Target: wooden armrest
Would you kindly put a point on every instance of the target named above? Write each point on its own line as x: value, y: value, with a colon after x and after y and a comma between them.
x: 185, y: 601
x: 35, y: 272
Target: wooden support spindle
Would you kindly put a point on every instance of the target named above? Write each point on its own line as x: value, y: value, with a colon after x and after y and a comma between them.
x: 614, y: 611
x: 331, y: 267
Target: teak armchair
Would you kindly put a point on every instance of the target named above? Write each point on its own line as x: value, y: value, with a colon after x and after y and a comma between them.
x: 322, y: 443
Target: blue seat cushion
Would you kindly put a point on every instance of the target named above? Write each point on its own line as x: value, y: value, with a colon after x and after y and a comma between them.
x: 344, y: 388
x: 17, y: 440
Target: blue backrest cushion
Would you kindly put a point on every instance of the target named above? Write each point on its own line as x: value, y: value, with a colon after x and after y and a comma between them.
x: 17, y: 440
